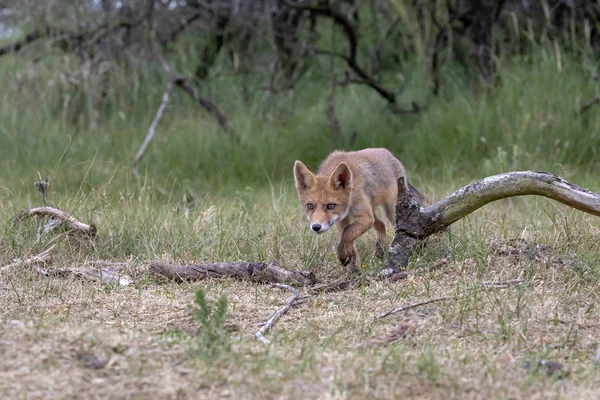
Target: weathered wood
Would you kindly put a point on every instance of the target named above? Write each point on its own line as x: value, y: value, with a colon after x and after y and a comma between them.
x: 260, y: 334
x: 415, y: 223
x: 250, y: 271
x: 61, y: 217
x: 107, y: 275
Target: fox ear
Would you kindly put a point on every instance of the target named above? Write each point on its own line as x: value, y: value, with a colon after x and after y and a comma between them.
x: 341, y: 177
x: 304, y: 178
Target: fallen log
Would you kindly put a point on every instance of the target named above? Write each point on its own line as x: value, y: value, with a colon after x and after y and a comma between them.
x: 414, y: 223
x: 249, y: 271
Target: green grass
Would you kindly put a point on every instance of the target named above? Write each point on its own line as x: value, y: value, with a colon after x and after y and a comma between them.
x: 202, y: 197
x: 530, y: 121
x: 480, y: 343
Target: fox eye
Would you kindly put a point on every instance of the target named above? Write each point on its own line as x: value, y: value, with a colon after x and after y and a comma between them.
x: 330, y: 206
x: 310, y: 206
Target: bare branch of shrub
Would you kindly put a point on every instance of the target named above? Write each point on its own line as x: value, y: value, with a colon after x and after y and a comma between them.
x: 152, y: 130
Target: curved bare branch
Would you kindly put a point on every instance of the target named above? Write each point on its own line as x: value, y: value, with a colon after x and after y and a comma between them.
x: 471, y: 197
x: 61, y: 216
x: 415, y: 223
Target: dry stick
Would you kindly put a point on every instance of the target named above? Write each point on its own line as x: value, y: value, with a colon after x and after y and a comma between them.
x: 44, y: 258
x: 408, y: 307
x: 152, y: 129
x: 62, y: 216
x: 503, y: 284
x: 248, y: 271
x: 261, y: 332
x: 102, y: 275
x: 487, y: 285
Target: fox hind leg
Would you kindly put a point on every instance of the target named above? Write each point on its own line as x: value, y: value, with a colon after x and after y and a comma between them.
x: 381, y: 241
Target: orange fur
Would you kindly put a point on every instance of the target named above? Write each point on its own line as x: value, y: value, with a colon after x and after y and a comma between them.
x: 346, y: 191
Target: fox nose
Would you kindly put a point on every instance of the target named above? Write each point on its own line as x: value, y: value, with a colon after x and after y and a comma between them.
x: 316, y: 227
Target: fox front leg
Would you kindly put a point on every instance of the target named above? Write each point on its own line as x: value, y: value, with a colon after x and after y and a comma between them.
x: 346, y: 251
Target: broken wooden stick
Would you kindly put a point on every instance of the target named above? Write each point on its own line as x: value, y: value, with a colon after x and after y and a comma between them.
x: 260, y: 334
x: 408, y: 307
x: 59, y: 218
x: 249, y: 271
x: 106, y: 275
x: 44, y: 258
x: 152, y: 130
x: 414, y: 223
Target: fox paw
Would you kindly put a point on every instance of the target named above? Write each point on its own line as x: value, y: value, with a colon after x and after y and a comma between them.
x: 345, y: 260
x: 345, y: 254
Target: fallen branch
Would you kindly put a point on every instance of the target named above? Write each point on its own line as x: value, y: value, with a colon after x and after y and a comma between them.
x: 414, y: 223
x: 44, y: 258
x: 60, y: 218
x: 504, y: 284
x: 260, y: 335
x: 107, y: 275
x: 250, y: 271
x: 152, y: 130
x: 408, y: 307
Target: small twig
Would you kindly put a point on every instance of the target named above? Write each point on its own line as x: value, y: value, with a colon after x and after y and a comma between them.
x: 408, y: 307
x: 152, y: 129
x: 42, y: 187
x: 330, y: 110
x: 588, y: 104
x: 44, y: 258
x: 439, y: 264
x: 278, y: 314
x: 504, y: 284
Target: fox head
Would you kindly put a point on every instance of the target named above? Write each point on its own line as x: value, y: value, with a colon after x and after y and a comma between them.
x: 326, y: 199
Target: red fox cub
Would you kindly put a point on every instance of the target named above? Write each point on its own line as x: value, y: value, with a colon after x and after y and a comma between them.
x: 346, y: 190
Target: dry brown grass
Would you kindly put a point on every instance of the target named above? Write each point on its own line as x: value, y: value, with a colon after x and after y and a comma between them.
x: 75, y: 338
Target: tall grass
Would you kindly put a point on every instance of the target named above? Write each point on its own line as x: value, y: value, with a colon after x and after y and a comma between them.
x: 51, y: 121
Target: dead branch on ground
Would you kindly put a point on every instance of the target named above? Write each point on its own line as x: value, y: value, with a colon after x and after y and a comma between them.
x: 408, y: 307
x: 44, y: 258
x: 106, y: 275
x: 249, y: 271
x: 260, y: 334
x: 414, y: 223
x: 58, y: 218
